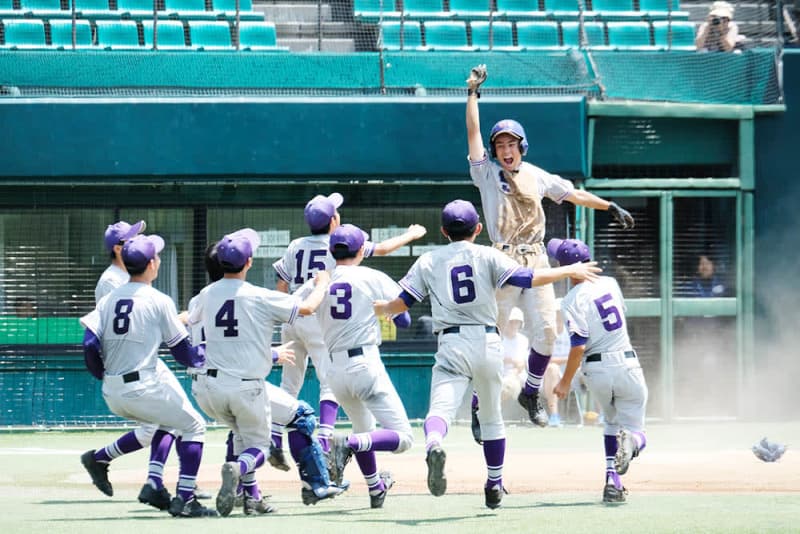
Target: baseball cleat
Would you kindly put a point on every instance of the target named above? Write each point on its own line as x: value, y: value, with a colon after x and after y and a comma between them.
x: 313, y: 496
x: 536, y: 412
x: 613, y: 494
x: 227, y: 492
x: 626, y: 451
x: 494, y: 496
x: 156, y: 498
x: 376, y: 501
x: 338, y: 458
x: 476, y: 427
x: 437, y: 481
x: 193, y: 508
x: 238, y: 501
x: 201, y: 494
x: 277, y: 459
x: 257, y: 506
x: 98, y: 471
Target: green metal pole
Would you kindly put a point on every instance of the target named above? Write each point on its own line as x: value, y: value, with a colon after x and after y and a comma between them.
x: 745, y: 320
x: 667, y: 330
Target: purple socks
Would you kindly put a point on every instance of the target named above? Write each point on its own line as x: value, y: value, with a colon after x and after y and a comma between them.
x: 537, y: 363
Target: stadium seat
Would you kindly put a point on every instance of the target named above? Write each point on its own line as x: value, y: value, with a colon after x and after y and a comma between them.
x: 674, y: 35
x: 24, y: 33
x: 117, y: 35
x: 660, y: 10
x: 629, y: 35
x: 259, y: 36
x: 188, y: 10
x: 44, y: 9
x: 412, y: 35
x: 207, y: 35
x: 447, y: 35
x: 61, y: 33
x: 7, y: 10
x: 425, y: 10
x: 227, y: 9
x: 520, y: 10
x: 538, y: 35
x: 170, y: 35
x: 94, y: 9
x: 567, y: 9
x: 136, y: 9
x: 502, y: 38
x: 595, y: 34
x: 616, y: 10
x: 471, y: 9
x: 372, y: 11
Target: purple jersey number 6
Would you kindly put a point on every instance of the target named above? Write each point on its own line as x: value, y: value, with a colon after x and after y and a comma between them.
x: 609, y: 313
x: 463, y: 287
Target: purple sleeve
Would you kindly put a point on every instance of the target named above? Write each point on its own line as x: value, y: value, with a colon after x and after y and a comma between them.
x: 522, y: 277
x: 577, y: 340
x: 91, y: 354
x: 407, y: 298
x: 403, y: 320
x: 187, y: 355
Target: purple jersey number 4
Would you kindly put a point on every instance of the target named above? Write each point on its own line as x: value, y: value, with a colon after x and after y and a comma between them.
x: 609, y: 313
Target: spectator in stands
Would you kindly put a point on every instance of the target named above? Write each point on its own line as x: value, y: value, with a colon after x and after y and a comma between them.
x: 718, y: 33
x: 706, y: 283
x: 515, y: 357
x: 24, y: 307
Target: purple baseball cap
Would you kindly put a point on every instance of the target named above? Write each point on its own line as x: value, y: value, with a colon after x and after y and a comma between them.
x: 320, y: 209
x: 121, y: 231
x: 459, y: 214
x: 568, y: 251
x: 350, y: 235
x: 139, y: 250
x: 235, y: 249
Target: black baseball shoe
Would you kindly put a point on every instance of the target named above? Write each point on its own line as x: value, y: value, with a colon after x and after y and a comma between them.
x: 311, y: 496
x: 494, y: 496
x: 613, y: 494
x: 338, y: 458
x: 536, y: 412
x: 376, y: 501
x: 156, y: 498
x: 98, y: 471
x: 193, y: 508
x: 437, y: 481
x: 277, y: 459
x: 257, y: 506
x: 476, y: 427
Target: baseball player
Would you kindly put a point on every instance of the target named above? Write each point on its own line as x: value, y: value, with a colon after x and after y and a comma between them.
x: 304, y: 257
x: 296, y: 415
x: 237, y: 319
x: 595, y: 318
x: 356, y: 373
x: 121, y: 347
x: 511, y: 194
x: 461, y: 279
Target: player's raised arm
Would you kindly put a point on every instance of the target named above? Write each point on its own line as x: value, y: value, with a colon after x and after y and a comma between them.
x: 476, y: 77
x: 314, y: 299
x: 415, y: 231
x: 590, y: 200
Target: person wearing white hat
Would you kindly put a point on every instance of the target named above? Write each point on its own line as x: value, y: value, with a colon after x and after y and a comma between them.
x: 718, y: 33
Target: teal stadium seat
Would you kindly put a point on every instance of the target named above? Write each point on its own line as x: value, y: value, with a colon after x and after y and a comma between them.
x: 471, y: 9
x: 502, y: 36
x: 660, y: 10
x: 188, y: 10
x: 425, y: 10
x: 44, y: 9
x: 136, y: 9
x: 616, y: 10
x: 412, y: 35
x: 372, y: 11
x: 61, y: 33
x: 595, y: 34
x: 94, y: 9
x: 259, y: 36
x: 171, y: 35
x: 7, y: 9
x: 674, y: 35
x: 538, y: 35
x: 447, y: 35
x: 24, y: 33
x: 227, y: 9
x: 629, y: 35
x: 567, y: 9
x: 117, y: 35
x: 520, y: 10
x: 207, y: 35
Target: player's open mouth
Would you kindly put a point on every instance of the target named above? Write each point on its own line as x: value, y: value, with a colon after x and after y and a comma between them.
x: 508, y: 161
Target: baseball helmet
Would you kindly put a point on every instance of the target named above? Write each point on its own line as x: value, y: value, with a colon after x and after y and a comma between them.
x: 512, y: 127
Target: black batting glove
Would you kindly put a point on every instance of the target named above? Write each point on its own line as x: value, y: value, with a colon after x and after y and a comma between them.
x: 621, y: 215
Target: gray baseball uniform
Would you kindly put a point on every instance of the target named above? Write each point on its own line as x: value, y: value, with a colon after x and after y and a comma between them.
x: 112, y: 278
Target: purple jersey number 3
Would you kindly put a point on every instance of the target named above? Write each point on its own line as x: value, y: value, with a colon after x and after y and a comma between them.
x: 343, y: 293
x: 609, y: 313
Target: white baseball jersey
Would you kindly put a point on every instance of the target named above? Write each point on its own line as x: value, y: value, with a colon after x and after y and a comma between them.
x: 513, y: 209
x: 346, y: 315
x: 461, y: 279
x: 131, y: 323
x: 596, y: 310
x: 112, y: 278
x: 238, y: 319
x: 307, y: 255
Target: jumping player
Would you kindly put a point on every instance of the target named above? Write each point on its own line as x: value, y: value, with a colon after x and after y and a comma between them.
x: 511, y: 194
x: 302, y: 259
x: 121, y: 346
x: 115, y: 274
x: 237, y: 321
x: 461, y: 279
x: 356, y: 373
x: 595, y: 318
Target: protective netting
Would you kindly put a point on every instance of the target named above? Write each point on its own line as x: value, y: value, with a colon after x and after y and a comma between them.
x: 605, y: 49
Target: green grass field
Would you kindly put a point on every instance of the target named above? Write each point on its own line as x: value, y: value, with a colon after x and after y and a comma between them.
x: 692, y: 478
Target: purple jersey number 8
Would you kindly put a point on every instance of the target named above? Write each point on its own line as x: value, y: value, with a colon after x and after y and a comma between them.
x: 343, y: 292
x: 612, y: 319
x: 463, y: 287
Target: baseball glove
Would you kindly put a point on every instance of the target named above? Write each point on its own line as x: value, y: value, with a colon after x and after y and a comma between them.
x: 621, y: 215
x: 477, y: 76
x: 767, y: 451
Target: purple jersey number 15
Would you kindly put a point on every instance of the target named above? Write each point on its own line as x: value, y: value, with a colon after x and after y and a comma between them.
x: 612, y: 319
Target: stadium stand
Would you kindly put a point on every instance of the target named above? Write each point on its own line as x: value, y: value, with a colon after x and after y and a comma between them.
x: 500, y: 36
x: 540, y: 35
x: 95, y: 10
x: 520, y: 10
x: 447, y: 35
x: 117, y: 35
x: 259, y: 36
x: 425, y: 9
x: 210, y: 35
x: 567, y: 9
x: 664, y: 9
x: 595, y: 34
x: 616, y: 10
x: 411, y: 35
x: 61, y: 33
x: 45, y: 9
x: 370, y: 10
x: 188, y: 10
x: 677, y: 35
x: 170, y: 35
x: 471, y: 9
x: 21, y: 34
x: 629, y: 35
x: 227, y: 9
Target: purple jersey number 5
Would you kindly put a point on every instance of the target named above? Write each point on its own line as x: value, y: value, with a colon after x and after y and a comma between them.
x: 609, y: 313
